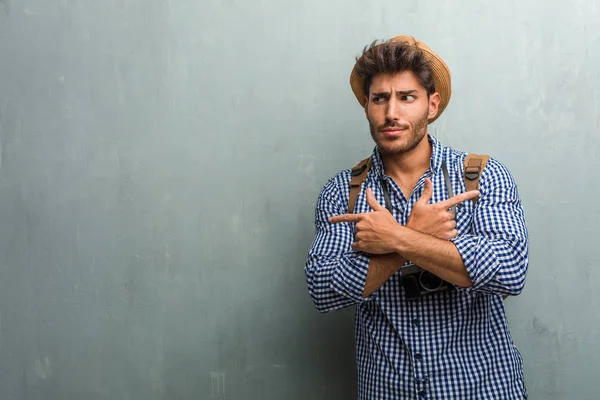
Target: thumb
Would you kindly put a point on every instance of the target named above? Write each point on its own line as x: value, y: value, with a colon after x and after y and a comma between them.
x: 427, y: 193
x: 373, y: 202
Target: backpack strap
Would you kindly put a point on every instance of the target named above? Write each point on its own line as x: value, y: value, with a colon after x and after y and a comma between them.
x: 359, y: 174
x: 474, y: 165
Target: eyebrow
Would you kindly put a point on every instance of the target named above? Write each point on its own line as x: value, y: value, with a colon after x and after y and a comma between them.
x: 399, y: 92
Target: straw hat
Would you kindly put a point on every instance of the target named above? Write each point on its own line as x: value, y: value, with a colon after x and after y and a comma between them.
x: 441, y: 75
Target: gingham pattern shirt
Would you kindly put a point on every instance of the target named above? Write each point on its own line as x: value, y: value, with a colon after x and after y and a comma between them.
x: 450, y: 345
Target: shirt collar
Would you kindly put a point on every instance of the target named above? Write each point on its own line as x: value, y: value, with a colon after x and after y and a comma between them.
x: 434, y: 165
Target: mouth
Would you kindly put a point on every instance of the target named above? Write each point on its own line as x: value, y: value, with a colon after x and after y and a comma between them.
x: 392, y: 132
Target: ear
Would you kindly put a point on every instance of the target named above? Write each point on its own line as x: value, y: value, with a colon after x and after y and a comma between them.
x: 434, y: 103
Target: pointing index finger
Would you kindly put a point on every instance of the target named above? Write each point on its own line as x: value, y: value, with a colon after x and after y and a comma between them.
x: 336, y: 219
x: 459, y: 198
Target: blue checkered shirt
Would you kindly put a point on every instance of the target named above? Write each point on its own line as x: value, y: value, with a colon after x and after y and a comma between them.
x: 448, y: 345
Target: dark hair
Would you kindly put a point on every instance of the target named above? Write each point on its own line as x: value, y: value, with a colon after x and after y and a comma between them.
x: 394, y: 57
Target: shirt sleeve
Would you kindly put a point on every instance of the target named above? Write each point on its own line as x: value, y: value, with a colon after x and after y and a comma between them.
x: 335, y: 273
x: 495, y: 252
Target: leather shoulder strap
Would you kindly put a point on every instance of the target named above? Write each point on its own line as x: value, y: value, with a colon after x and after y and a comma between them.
x: 474, y: 165
x: 359, y: 174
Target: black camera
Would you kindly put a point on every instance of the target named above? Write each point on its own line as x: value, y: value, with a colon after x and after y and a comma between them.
x: 418, y: 282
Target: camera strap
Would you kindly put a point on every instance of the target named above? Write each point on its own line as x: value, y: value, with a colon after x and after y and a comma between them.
x: 386, y: 194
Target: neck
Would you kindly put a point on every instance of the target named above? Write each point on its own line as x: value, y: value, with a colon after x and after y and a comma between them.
x: 405, y: 166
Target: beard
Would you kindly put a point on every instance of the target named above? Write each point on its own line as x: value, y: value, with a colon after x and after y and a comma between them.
x: 402, y: 144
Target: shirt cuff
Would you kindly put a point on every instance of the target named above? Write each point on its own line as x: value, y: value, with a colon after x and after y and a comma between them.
x: 479, y: 259
x: 350, y: 276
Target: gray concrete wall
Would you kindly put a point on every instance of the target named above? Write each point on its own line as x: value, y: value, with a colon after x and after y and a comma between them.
x: 160, y: 161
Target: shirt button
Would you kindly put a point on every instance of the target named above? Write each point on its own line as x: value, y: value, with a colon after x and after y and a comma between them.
x: 422, y: 393
x: 416, y: 322
x: 418, y: 356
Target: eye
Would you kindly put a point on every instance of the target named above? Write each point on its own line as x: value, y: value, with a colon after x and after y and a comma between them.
x: 409, y: 98
x: 378, y: 99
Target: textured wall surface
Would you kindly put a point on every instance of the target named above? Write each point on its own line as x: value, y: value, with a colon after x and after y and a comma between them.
x: 160, y: 160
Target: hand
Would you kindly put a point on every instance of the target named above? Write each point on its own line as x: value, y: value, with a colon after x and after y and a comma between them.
x: 436, y: 219
x: 375, y: 231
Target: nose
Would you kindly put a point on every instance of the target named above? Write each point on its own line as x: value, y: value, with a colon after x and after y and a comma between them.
x: 391, y: 112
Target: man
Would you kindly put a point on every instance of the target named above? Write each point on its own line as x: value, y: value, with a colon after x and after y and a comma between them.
x: 451, y: 344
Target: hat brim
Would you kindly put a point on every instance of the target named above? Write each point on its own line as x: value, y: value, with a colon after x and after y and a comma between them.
x: 441, y: 76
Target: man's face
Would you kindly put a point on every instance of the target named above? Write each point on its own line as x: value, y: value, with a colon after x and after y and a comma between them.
x: 398, y: 109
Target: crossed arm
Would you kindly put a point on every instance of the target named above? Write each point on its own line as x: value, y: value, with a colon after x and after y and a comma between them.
x: 347, y: 264
x: 424, y: 241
